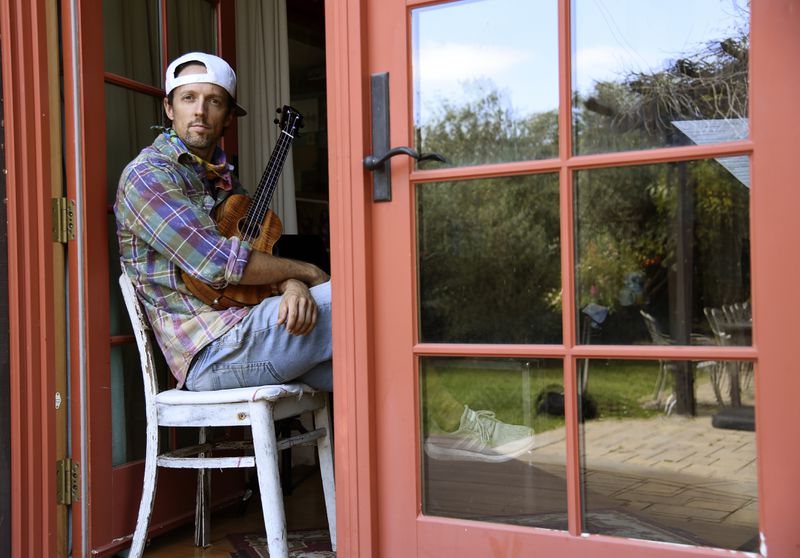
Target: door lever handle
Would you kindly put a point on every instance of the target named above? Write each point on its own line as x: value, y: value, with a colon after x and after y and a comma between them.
x: 372, y: 162
x: 377, y: 163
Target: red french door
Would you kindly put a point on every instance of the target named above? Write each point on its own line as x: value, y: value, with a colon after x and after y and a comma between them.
x: 574, y: 337
x: 115, y: 56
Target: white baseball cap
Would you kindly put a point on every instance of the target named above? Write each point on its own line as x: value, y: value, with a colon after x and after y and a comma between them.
x: 218, y: 72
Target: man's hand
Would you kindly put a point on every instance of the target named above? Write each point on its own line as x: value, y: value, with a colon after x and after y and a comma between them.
x: 298, y: 310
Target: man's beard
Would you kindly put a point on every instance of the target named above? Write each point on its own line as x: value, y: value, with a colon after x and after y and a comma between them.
x: 197, y: 141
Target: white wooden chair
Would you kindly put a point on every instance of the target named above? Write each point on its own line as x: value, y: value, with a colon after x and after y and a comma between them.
x: 257, y: 407
x: 665, y: 367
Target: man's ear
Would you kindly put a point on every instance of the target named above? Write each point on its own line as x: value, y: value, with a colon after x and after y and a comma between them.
x: 168, y: 108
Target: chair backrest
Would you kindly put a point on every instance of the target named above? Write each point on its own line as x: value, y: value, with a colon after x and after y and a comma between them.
x: 143, y: 341
x: 658, y: 337
x: 716, y: 319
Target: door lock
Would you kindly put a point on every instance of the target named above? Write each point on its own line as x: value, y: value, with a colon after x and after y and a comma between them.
x: 380, y: 164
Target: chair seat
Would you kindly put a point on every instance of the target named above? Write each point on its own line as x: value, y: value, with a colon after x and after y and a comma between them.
x: 236, y: 395
x: 255, y: 407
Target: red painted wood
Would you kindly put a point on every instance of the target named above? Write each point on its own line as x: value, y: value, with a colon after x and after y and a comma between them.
x: 92, y: 152
x: 388, y: 255
x: 30, y: 282
x: 353, y: 329
x: 775, y: 203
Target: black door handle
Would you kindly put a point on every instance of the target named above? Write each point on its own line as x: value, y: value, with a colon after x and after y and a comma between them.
x: 379, y: 164
x: 372, y: 162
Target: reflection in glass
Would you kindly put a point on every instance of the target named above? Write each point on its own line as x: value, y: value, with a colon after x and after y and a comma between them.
x: 493, y: 443
x: 663, y: 253
x: 119, y: 324
x: 651, y: 471
x: 130, y: 117
x: 658, y: 74
x: 128, y: 424
x: 488, y: 258
x: 131, y: 40
x: 191, y: 27
x: 486, y: 80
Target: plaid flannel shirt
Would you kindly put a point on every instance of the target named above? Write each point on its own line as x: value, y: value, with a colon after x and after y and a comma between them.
x: 163, y: 207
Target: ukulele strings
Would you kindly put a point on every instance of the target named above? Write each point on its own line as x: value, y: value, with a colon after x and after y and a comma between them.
x: 258, y: 209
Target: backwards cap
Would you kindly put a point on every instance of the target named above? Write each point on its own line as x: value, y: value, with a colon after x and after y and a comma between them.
x: 218, y: 72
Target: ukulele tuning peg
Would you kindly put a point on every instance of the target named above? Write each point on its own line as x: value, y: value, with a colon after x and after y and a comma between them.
x: 276, y: 121
x: 278, y: 110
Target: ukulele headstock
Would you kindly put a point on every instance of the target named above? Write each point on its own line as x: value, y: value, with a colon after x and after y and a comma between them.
x: 290, y: 121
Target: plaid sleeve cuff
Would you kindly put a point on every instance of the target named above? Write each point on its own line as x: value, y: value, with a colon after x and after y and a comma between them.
x: 237, y: 260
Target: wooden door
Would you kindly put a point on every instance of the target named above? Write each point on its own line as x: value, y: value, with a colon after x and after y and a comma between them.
x: 556, y: 283
x: 114, y: 92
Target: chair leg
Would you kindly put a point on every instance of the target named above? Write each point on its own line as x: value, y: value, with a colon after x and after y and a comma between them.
x: 325, y: 451
x: 202, y: 514
x: 265, y: 448
x: 148, y: 492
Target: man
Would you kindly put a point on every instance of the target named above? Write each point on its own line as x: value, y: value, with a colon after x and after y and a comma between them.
x: 165, y: 202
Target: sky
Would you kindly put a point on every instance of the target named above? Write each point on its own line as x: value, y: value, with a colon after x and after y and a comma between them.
x: 513, y: 43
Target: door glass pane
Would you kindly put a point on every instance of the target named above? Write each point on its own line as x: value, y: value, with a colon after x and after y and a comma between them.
x: 488, y: 259
x: 493, y: 440
x: 191, y: 27
x: 658, y: 74
x: 486, y: 80
x: 129, y: 117
x: 128, y: 417
x: 663, y: 253
x: 131, y: 40
x: 666, y: 455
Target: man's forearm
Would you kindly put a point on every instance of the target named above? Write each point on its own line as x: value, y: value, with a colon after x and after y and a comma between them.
x: 266, y: 269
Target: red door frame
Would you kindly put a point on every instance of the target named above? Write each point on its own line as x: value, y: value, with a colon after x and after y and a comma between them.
x: 111, y: 494
x: 375, y: 455
x: 85, y: 173
x: 27, y: 129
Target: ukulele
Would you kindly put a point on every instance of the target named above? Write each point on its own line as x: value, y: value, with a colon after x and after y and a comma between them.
x: 252, y: 220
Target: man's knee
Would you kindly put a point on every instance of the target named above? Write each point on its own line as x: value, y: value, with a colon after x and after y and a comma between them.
x: 322, y: 293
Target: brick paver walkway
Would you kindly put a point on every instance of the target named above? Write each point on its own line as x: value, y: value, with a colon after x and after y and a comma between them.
x: 676, y: 470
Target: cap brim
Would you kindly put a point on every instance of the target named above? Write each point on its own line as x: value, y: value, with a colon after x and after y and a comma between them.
x: 238, y: 110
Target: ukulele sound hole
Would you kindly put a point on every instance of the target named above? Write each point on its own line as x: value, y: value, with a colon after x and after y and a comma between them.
x: 249, y: 231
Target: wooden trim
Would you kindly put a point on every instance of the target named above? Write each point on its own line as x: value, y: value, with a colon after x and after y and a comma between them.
x: 391, y: 252
x: 162, y: 5
x: 5, y: 368
x: 775, y: 205
x: 226, y: 47
x: 59, y: 309
x: 347, y: 87
x: 134, y: 85
x: 93, y: 218
x: 583, y: 162
x: 567, y: 244
x: 30, y: 271
x: 122, y: 340
x: 441, y: 535
x: 629, y: 352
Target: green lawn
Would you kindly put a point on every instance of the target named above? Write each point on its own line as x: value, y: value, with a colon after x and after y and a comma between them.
x: 619, y: 389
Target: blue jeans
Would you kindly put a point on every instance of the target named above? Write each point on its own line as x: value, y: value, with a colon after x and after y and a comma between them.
x: 257, y: 351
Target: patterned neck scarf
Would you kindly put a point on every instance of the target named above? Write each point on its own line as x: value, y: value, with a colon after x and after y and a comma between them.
x: 218, y: 172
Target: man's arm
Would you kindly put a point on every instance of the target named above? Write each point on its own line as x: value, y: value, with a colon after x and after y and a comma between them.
x: 266, y: 269
x: 153, y: 206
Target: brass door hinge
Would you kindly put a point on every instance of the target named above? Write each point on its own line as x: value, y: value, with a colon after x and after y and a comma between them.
x: 63, y: 220
x: 67, y: 482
